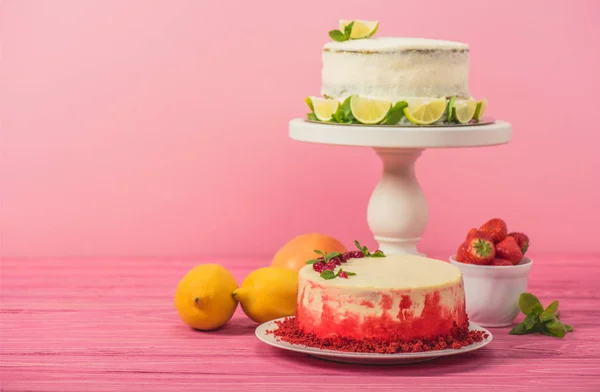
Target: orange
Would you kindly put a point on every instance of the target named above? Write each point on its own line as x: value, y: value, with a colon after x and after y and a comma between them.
x: 296, y: 252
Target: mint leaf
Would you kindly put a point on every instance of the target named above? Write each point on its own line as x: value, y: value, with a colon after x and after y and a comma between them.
x: 377, y: 253
x: 338, y: 36
x: 450, y: 109
x: 327, y: 274
x: 555, y: 328
x: 551, y: 309
x: 530, y: 304
x: 348, y: 30
x: 530, y: 321
x: 313, y: 261
x: 396, y: 113
x: 319, y: 252
x: 343, y: 114
x: 350, y: 273
x: 519, y: 329
x: 312, y: 117
x: 568, y: 327
x: 334, y: 254
x: 547, y: 316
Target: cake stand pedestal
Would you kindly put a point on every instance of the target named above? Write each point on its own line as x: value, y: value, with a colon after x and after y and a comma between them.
x: 397, y: 213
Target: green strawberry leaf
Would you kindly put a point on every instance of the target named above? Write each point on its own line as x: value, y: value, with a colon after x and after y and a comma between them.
x: 395, y: 113
x: 530, y: 304
x: 327, y: 274
x: 338, y: 36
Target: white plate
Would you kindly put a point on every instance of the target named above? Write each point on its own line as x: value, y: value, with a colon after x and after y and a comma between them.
x: 366, y: 358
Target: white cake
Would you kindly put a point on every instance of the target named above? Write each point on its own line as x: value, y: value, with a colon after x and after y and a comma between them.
x: 397, y: 298
x: 395, y: 68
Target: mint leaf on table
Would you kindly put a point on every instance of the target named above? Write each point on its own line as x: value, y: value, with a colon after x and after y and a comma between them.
x: 540, y: 320
x: 338, y: 36
x: 530, y: 304
x: 396, y: 113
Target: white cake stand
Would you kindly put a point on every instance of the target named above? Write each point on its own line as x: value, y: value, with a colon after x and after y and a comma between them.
x: 397, y: 213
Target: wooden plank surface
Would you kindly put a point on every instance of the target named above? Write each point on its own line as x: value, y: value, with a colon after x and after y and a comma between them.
x: 110, y: 325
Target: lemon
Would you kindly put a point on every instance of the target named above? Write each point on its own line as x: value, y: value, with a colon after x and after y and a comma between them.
x: 360, y: 28
x: 268, y: 293
x: 324, y: 108
x: 480, y: 110
x: 425, y: 112
x: 203, y: 297
x: 464, y: 110
x: 369, y: 110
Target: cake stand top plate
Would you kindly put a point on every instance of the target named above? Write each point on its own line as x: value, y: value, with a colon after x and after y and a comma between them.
x: 401, y: 137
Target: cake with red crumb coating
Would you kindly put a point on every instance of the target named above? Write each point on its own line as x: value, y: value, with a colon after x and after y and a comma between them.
x: 397, y: 298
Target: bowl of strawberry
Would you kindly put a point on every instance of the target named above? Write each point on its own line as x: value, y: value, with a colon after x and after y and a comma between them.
x: 495, y: 272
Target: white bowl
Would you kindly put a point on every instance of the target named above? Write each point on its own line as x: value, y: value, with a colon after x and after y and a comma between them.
x: 492, y: 292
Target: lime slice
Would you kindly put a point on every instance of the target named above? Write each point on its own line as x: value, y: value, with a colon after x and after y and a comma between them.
x: 360, y: 28
x: 324, y: 108
x: 309, y: 103
x: 480, y: 110
x: 450, y: 111
x: 369, y: 110
x: 464, y: 110
x: 425, y: 112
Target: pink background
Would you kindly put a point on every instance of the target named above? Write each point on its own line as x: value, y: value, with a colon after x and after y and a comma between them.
x: 159, y: 128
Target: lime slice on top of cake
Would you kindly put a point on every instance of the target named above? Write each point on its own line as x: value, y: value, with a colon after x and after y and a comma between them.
x: 425, y: 112
x: 322, y: 107
x: 464, y: 110
x: 360, y: 28
x: 369, y: 110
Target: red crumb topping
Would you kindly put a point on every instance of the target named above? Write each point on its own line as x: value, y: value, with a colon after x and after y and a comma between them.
x: 460, y: 336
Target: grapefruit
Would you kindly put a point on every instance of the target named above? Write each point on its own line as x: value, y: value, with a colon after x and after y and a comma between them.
x: 297, y: 251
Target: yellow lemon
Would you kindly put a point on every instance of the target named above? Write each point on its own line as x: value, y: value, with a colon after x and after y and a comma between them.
x: 204, y: 297
x: 268, y: 293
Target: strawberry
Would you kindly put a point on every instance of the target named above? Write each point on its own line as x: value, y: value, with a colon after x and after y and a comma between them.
x: 480, y: 249
x: 461, y: 253
x: 509, y: 249
x: 496, y: 228
x: 522, y: 241
x: 497, y: 261
x: 472, y: 233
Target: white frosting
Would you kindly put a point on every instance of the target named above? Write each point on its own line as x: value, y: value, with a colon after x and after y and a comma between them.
x: 395, y: 68
x: 400, y: 272
x: 390, y: 44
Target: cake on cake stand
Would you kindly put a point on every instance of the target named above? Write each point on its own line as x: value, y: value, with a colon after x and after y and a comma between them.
x: 397, y: 212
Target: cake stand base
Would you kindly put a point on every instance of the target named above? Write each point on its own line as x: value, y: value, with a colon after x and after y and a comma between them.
x: 397, y: 212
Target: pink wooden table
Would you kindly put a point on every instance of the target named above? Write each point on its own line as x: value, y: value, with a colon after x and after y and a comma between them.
x: 110, y: 325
